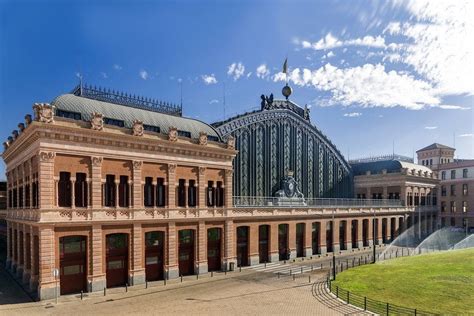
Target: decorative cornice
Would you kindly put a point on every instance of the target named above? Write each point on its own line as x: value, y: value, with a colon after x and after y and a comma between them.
x: 173, y: 134
x: 202, y: 139
x: 137, y: 128
x: 231, y: 142
x: 44, y: 112
x: 202, y: 170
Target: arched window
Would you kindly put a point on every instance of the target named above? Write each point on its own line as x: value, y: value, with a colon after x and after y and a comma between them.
x: 64, y: 189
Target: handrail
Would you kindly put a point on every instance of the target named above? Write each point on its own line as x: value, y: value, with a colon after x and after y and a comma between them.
x: 252, y: 201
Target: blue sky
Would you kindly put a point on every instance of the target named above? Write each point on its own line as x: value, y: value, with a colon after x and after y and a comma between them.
x: 373, y: 72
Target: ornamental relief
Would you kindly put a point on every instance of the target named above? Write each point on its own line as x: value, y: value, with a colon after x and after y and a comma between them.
x: 137, y: 164
x: 44, y: 112
x: 202, y: 170
x: 46, y: 156
x: 231, y: 142
x: 96, y: 161
x: 171, y: 168
x: 173, y: 134
x: 202, y: 139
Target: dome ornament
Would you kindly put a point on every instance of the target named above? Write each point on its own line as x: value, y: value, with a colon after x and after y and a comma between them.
x: 286, y: 91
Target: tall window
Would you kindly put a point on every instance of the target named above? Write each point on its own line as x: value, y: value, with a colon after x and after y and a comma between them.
x: 431, y: 162
x: 124, y: 192
x: 443, y: 190
x: 443, y: 175
x: 160, y: 192
x: 211, y: 196
x: 109, y: 190
x: 453, y: 174
x: 464, y: 173
x: 35, y: 194
x: 80, y: 190
x: 464, y: 189
x: 182, y: 192
x: 64, y: 189
x: 27, y: 196
x: 453, y: 206
x: 192, y: 193
x: 219, y: 194
x: 148, y: 192
x: 443, y: 206
x: 464, y: 206
x: 435, y: 199
x: 20, y: 202
x: 453, y: 190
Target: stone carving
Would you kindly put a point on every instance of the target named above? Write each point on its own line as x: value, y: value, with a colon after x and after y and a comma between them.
x: 289, y: 193
x: 21, y: 126
x: 306, y: 112
x: 45, y: 156
x: 202, y: 139
x: 97, y: 161
x: 97, y: 121
x: 230, y: 142
x: 202, y: 170
x: 28, y: 119
x: 173, y: 134
x: 229, y: 172
x: 137, y: 128
x: 137, y: 164
x: 15, y: 134
x: 6, y: 145
x: 44, y: 112
x: 171, y: 168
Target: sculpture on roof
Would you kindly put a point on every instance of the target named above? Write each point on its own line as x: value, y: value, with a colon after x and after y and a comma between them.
x: 137, y: 128
x: 44, y: 112
x: 202, y: 139
x: 267, y: 102
x: 306, y: 112
x: 97, y: 121
x: 230, y: 142
x: 173, y: 134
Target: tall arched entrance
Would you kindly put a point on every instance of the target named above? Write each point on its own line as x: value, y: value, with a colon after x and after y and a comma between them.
x: 117, y: 259
x: 73, y: 264
x: 154, y: 255
x: 283, y: 249
x: 214, y: 246
x: 186, y: 242
x: 243, y: 246
x: 263, y: 242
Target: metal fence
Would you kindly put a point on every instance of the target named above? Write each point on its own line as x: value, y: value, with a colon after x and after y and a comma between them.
x: 364, y: 302
x: 252, y: 201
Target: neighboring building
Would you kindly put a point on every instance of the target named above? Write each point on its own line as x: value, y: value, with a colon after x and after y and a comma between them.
x: 397, y: 177
x: 435, y: 155
x: 111, y: 190
x: 456, y: 191
x: 280, y: 138
x: 3, y: 201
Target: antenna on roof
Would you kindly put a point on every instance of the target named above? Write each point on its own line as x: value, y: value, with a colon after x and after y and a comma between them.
x: 393, y: 147
x: 181, y: 91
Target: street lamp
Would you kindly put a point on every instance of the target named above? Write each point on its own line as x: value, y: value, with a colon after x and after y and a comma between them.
x: 373, y: 237
x: 333, y: 252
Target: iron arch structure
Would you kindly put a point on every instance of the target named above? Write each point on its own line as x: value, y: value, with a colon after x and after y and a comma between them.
x: 278, y: 139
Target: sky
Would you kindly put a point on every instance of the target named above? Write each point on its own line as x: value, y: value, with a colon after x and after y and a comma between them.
x: 378, y: 76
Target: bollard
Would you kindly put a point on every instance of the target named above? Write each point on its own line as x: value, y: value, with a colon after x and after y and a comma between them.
x: 146, y: 284
x: 164, y: 281
x: 240, y: 268
x: 126, y: 287
x: 365, y: 303
x: 291, y: 272
x: 321, y: 265
x: 105, y: 291
x: 197, y: 276
x: 284, y: 261
x: 265, y: 265
x: 293, y: 277
x: 301, y: 270
x: 82, y: 294
x: 181, y: 278
x: 337, y: 291
x: 388, y: 308
x: 348, y: 297
x: 278, y: 274
x: 309, y: 278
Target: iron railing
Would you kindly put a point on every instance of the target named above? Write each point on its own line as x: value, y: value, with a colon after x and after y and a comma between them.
x: 253, y: 201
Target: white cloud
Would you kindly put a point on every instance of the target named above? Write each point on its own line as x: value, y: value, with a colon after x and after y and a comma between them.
x: 213, y: 101
x: 104, y: 75
x: 452, y: 107
x: 209, y: 79
x: 236, y: 70
x: 466, y: 135
x: 368, y: 86
x: 78, y: 75
x: 353, y: 114
x: 117, y: 67
x: 143, y: 74
x: 431, y: 127
x: 330, y: 54
x: 330, y: 41
x: 262, y: 71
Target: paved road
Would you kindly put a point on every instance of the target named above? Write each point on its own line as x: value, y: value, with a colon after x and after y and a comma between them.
x: 10, y: 291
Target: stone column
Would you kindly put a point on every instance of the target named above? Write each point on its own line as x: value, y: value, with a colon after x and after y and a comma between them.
x: 30, y: 191
x: 360, y: 232
x: 322, y: 235
x: 385, y: 192
x: 117, y: 185
x: 349, y: 234
x: 230, y: 246
x: 171, y: 185
x: 137, y: 271
x: 47, y: 285
x: 172, y: 268
x: 96, y: 191
x: 26, y: 255
x: 335, y: 236
x: 97, y: 281
x: 202, y: 188
x: 19, y: 251
x: 73, y: 193
x: 130, y: 194
x: 34, y: 264
x: 88, y: 193
x: 274, y: 257
x: 379, y: 230
x: 14, y: 261
x: 253, y: 245
x: 308, y: 240
x: 389, y: 230
x: 228, y: 189
x: 370, y: 231
x: 137, y: 184
x: 45, y: 179
x: 201, y: 266
x: 369, y: 194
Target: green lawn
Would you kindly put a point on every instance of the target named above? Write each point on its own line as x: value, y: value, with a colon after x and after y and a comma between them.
x: 439, y: 282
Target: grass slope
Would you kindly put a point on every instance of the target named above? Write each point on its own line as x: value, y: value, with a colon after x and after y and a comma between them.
x: 438, y: 282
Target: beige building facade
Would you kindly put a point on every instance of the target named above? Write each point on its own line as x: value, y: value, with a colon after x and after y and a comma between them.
x: 102, y: 195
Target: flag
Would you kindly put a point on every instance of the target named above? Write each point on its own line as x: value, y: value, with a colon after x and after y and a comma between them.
x: 285, y: 66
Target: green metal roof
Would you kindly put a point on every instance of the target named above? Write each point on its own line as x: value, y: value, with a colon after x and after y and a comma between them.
x: 85, y: 106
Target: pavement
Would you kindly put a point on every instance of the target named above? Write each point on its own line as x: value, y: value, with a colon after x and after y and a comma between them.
x: 277, y: 289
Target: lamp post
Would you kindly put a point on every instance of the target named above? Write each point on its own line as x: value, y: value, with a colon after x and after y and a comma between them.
x: 333, y: 253
x: 373, y: 237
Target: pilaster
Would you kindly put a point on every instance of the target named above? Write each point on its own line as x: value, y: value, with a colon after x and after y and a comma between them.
x: 137, y: 273
x: 46, y: 179
x: 137, y: 185
x: 96, y: 190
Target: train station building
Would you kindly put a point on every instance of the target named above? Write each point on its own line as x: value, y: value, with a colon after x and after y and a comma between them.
x: 109, y: 189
